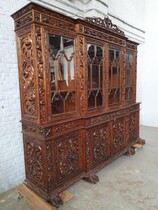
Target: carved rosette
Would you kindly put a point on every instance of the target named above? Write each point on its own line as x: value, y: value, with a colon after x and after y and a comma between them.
x: 40, y: 70
x: 34, y: 158
x: 118, y: 135
x: 28, y: 76
x: 68, y: 156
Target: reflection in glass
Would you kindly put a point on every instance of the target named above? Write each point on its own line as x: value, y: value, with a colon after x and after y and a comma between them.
x: 128, y: 76
x: 95, y: 63
x: 114, y: 76
x: 62, y: 81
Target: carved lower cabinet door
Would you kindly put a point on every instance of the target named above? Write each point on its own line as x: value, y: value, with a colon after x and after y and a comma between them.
x: 68, y: 156
x: 118, y: 135
x: 78, y: 97
x: 34, y: 161
x: 98, y: 146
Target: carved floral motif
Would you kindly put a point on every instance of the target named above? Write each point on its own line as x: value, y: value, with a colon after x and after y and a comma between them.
x: 45, y: 132
x: 34, y: 156
x: 28, y: 76
x: 65, y: 127
x: 101, y: 35
x: 58, y: 23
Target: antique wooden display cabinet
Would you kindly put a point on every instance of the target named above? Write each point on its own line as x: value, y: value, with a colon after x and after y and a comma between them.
x: 78, y: 97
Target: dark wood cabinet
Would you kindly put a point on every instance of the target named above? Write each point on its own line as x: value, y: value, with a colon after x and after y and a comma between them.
x: 78, y: 97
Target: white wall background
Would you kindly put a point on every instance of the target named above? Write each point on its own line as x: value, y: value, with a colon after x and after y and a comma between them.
x: 150, y: 66
x: 128, y: 15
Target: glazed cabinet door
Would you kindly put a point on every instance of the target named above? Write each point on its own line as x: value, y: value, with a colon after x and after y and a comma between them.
x: 114, y: 76
x: 95, y: 74
x: 61, y: 74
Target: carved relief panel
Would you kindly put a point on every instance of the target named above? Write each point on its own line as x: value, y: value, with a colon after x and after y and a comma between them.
x: 34, y: 161
x: 28, y: 77
x: 118, y: 135
x: 68, y: 156
x: 133, y: 126
x: 97, y: 145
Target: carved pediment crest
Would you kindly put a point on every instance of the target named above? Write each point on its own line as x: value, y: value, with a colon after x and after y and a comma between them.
x: 105, y: 23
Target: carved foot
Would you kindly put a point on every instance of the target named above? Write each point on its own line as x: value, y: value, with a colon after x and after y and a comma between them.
x: 56, y: 201
x: 141, y: 141
x: 92, y: 179
x: 131, y: 151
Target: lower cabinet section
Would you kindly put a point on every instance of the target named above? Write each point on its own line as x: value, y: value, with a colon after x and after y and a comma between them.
x: 55, y: 162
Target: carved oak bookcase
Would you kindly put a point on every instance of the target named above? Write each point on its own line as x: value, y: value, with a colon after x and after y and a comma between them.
x: 78, y: 97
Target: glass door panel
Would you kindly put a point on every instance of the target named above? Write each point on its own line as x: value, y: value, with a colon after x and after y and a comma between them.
x: 114, y: 76
x: 61, y: 61
x: 94, y: 86
x: 128, y: 76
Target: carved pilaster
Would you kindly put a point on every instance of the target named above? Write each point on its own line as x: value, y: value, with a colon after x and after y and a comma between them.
x: 28, y: 79
x: 82, y: 79
x: 40, y: 72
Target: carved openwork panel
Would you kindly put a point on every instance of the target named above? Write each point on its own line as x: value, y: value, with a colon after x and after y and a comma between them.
x: 118, y: 135
x: 28, y: 86
x: 34, y: 158
x: 68, y: 155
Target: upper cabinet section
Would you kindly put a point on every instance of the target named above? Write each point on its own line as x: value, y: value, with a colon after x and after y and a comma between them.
x: 72, y: 68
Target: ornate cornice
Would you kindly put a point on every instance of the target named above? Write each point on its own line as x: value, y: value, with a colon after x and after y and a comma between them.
x: 105, y: 23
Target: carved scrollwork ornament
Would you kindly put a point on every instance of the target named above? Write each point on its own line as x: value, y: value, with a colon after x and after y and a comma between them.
x: 105, y: 23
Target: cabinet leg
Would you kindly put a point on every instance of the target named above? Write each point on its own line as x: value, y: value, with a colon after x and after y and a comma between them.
x: 56, y: 201
x: 141, y: 141
x: 131, y: 151
x: 92, y: 179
